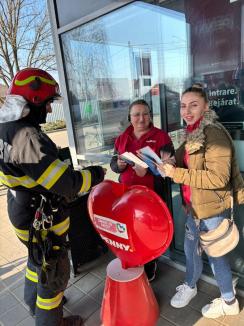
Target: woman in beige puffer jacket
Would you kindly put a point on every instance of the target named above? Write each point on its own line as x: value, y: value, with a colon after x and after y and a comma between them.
x: 207, y: 170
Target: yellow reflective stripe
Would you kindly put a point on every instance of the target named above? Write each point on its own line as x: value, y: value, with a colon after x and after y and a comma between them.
x: 50, y: 176
x: 23, y: 235
x: 44, y: 234
x: 86, y: 180
x: 48, y: 304
x: 58, y: 229
x: 27, y: 182
x: 8, y: 180
x: 62, y: 227
x: 32, y: 276
x: 12, y: 181
x: 31, y: 78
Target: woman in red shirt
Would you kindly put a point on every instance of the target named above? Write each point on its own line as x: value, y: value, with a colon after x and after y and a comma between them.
x: 139, y: 134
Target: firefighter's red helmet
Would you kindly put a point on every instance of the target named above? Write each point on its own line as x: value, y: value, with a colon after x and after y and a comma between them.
x: 35, y: 85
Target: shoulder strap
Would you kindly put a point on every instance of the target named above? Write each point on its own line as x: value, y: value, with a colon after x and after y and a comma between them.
x: 231, y: 206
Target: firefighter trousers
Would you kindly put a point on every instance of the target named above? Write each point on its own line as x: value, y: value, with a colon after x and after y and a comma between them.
x: 46, y: 304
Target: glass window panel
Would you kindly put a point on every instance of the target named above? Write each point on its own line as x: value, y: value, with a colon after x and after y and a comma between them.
x: 147, y: 82
x: 146, y: 66
x: 107, y: 68
x: 215, y: 47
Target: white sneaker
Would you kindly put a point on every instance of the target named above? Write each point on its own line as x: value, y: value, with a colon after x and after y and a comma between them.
x: 183, y: 296
x: 218, y: 308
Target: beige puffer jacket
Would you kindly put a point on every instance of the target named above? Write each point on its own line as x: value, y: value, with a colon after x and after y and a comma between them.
x: 212, y: 168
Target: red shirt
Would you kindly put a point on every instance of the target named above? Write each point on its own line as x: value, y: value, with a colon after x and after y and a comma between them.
x: 186, y: 190
x: 127, y: 142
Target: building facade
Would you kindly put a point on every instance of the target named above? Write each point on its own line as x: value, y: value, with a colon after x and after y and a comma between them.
x: 111, y: 52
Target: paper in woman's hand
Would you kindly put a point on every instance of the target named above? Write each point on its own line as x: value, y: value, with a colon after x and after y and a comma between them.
x: 126, y: 160
x: 151, y: 158
x: 132, y: 159
x: 149, y: 153
x: 150, y: 162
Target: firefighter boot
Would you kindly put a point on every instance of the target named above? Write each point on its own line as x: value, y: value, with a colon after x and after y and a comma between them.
x: 75, y: 320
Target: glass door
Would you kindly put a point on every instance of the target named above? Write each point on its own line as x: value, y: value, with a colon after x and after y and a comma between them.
x: 215, y: 53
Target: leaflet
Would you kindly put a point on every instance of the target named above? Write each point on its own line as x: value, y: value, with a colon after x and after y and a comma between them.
x: 132, y: 159
x: 150, y: 158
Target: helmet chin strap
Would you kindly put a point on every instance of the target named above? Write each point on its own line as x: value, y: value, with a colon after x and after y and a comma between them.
x: 37, y: 114
x: 43, y: 114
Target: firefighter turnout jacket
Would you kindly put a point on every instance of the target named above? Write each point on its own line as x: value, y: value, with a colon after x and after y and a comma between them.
x: 29, y: 165
x: 31, y: 169
x: 29, y: 160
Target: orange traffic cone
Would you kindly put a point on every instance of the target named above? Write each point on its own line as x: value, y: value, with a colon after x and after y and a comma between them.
x: 128, y: 299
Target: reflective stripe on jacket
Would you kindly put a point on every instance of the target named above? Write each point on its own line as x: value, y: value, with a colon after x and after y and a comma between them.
x: 29, y: 160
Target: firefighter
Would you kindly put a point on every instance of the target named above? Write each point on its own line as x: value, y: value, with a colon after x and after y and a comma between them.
x: 40, y: 187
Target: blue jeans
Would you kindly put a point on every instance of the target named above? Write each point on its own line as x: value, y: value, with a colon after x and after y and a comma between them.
x: 194, y: 264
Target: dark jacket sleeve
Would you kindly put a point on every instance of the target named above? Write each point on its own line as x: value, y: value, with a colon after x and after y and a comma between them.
x: 97, y: 174
x: 114, y: 164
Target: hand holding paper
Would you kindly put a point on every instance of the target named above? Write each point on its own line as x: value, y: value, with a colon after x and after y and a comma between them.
x: 121, y: 163
x: 140, y: 171
x: 132, y: 159
x: 167, y: 169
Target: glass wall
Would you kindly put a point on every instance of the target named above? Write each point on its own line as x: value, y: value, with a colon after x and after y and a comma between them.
x: 215, y: 43
x: 107, y: 67
x: 154, y: 50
